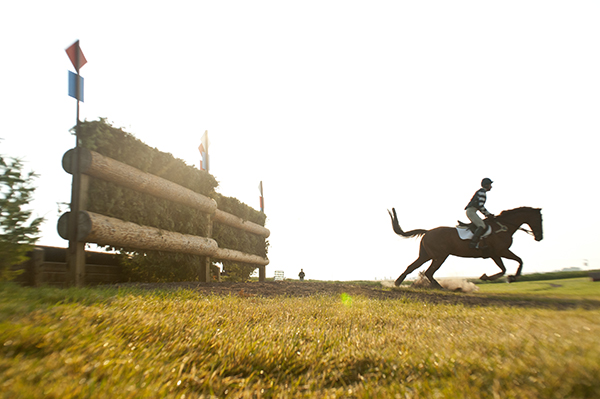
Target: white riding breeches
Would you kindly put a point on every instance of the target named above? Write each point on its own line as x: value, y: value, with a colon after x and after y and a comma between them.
x: 474, y: 217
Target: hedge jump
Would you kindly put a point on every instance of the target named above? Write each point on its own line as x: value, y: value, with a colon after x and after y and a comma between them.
x: 105, y: 230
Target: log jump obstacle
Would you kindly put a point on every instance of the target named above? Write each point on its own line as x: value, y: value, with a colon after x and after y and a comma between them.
x: 105, y: 230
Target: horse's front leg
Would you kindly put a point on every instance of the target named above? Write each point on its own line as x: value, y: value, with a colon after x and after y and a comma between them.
x: 498, y: 261
x: 509, y: 255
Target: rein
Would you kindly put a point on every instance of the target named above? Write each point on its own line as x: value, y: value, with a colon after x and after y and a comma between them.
x: 526, y: 231
x: 503, y: 229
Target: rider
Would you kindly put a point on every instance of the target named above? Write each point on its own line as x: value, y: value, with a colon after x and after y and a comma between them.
x: 477, y: 203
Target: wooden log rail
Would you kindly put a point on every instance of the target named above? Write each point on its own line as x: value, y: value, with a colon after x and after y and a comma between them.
x: 105, y: 230
x: 101, y: 167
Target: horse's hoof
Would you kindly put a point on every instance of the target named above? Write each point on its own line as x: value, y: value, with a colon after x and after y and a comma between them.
x: 484, y: 277
x: 512, y: 279
x: 436, y: 286
x: 397, y: 283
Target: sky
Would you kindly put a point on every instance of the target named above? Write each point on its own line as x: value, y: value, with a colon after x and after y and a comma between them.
x: 343, y: 109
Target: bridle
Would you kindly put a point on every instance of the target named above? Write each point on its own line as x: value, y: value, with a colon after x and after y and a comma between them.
x: 503, y: 228
x: 526, y: 231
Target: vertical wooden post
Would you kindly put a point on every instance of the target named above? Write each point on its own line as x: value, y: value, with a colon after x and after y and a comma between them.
x: 261, y: 269
x: 76, y: 252
x: 35, y: 264
x: 205, y: 276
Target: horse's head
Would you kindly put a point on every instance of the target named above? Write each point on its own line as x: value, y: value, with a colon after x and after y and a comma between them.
x: 525, y: 215
x: 535, y: 223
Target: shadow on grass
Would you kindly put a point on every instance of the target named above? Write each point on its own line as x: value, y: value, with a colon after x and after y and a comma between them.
x: 15, y: 298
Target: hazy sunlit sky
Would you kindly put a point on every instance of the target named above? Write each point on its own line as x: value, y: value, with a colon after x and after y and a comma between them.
x: 343, y: 109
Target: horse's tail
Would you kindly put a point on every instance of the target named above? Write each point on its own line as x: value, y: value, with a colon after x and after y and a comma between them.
x: 398, y: 229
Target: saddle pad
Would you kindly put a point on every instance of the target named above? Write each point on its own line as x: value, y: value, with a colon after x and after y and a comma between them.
x: 465, y: 234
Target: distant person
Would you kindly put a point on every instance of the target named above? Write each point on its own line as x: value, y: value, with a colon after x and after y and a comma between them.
x: 301, y: 274
x: 477, y: 203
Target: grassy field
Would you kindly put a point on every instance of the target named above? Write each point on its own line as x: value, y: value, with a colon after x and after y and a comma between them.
x: 96, y: 343
x: 580, y: 288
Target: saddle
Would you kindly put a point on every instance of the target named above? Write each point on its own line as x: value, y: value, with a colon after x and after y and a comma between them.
x: 470, y: 226
x: 467, y: 230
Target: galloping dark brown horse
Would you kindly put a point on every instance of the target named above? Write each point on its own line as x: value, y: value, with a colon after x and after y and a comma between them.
x: 437, y: 244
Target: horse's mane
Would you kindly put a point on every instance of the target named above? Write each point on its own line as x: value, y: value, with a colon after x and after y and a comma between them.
x: 511, y: 212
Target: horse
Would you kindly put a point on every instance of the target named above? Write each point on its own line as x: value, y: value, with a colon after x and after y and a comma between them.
x: 439, y: 243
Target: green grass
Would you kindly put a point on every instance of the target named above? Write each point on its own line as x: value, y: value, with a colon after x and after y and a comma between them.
x: 97, y: 343
x: 556, y: 275
x: 582, y: 287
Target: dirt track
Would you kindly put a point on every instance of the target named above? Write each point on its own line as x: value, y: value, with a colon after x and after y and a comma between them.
x: 307, y: 288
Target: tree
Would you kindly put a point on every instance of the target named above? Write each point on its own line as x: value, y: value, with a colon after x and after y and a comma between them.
x: 18, y: 232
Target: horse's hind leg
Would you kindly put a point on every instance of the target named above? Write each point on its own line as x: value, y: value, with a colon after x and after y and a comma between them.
x: 413, y: 266
x: 435, y: 265
x: 496, y: 276
x: 423, y: 257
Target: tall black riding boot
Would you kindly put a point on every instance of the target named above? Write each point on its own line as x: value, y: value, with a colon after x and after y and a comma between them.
x: 476, y: 236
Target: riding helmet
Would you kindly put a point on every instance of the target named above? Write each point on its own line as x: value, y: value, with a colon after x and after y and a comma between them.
x: 486, y: 181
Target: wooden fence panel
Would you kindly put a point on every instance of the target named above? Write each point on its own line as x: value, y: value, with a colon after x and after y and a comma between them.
x: 48, y: 266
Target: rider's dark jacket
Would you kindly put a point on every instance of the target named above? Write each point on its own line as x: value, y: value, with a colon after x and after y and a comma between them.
x: 478, y: 201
